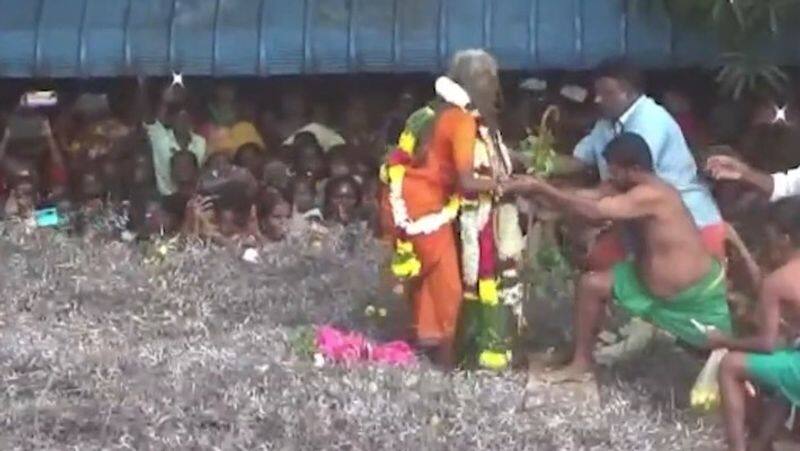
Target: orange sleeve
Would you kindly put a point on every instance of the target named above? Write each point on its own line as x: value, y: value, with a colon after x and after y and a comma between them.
x: 463, y: 132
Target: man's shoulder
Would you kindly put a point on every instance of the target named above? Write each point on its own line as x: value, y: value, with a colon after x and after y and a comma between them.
x: 656, y: 191
x: 650, y: 113
x: 650, y: 187
x: 198, y: 140
x: 453, y: 112
x: 790, y: 270
x: 154, y: 127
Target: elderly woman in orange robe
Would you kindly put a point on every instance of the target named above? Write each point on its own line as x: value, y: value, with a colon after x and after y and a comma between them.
x: 425, y: 188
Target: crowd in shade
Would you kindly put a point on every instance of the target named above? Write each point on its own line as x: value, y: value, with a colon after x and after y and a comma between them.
x: 212, y: 160
x: 206, y: 162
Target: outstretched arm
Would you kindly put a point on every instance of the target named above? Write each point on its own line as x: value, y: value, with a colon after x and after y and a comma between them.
x: 636, y: 203
x: 723, y: 167
x: 565, y: 165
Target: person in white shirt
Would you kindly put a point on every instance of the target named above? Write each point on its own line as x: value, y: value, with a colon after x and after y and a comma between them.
x: 777, y: 186
x: 169, y: 131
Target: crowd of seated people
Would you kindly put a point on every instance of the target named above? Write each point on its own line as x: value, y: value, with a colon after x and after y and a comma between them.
x: 219, y: 161
x: 173, y: 164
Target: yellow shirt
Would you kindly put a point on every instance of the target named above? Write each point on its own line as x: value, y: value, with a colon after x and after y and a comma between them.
x: 230, y: 139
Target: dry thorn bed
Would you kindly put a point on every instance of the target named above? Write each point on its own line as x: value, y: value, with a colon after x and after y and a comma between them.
x: 103, y: 349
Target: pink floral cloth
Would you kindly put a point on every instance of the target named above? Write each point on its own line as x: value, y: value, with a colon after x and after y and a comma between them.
x: 350, y: 347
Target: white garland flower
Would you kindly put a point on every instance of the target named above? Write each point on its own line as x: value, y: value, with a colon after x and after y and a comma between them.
x: 424, y: 225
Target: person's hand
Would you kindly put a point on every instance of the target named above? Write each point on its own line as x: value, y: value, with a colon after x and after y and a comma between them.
x: 521, y: 184
x: 723, y: 167
x: 200, y: 206
x: 344, y: 215
x: 716, y: 339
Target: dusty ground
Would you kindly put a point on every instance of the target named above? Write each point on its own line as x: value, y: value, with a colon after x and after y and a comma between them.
x: 103, y: 346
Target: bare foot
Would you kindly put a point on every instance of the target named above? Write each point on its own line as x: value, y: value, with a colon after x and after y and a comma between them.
x: 574, y: 372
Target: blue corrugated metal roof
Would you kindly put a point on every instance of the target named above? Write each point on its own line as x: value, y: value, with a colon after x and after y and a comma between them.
x: 89, y: 38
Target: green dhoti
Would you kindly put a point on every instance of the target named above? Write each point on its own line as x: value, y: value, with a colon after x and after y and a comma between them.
x: 704, y: 302
x: 779, y: 371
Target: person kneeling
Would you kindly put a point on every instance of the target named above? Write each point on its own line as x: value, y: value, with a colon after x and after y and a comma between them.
x: 672, y: 280
x: 759, y: 358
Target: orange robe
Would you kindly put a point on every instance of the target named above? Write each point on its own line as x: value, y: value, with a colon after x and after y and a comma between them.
x: 427, y: 187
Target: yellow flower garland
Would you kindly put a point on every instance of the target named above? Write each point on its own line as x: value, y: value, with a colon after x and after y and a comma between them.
x: 405, y: 263
x: 493, y: 360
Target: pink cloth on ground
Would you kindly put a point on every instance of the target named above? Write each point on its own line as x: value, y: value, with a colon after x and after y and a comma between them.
x: 350, y: 347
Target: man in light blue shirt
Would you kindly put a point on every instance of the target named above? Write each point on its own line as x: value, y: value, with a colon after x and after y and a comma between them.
x: 624, y: 107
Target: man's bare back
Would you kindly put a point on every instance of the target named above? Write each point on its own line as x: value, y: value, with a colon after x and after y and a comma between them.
x: 786, y: 285
x: 672, y: 256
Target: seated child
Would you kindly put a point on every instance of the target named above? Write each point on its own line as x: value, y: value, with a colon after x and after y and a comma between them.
x: 275, y: 214
x: 184, y: 172
x: 23, y: 196
x: 276, y: 177
x: 223, y: 208
x: 340, y: 161
x: 251, y: 157
x: 308, y: 160
x: 304, y: 197
x: 217, y: 162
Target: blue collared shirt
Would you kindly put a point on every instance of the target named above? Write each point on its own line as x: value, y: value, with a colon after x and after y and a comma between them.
x: 672, y: 159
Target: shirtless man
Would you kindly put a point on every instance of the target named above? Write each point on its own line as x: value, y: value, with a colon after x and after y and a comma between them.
x: 673, y: 279
x: 759, y: 358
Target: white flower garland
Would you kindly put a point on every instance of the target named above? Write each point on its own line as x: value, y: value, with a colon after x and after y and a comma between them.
x: 473, y: 220
x: 452, y: 93
x: 424, y: 225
